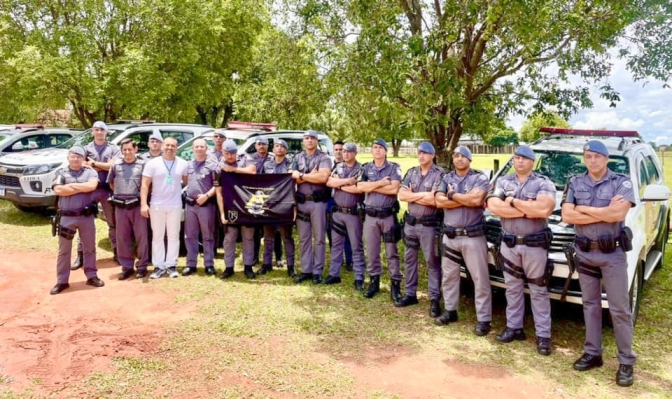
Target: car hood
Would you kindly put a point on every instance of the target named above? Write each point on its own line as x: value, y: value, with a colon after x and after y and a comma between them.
x: 35, y: 157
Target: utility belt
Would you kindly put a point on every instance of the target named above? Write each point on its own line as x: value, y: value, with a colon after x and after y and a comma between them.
x: 429, y: 221
x: 380, y: 213
x: 90, y: 210
x: 322, y: 195
x: 541, y: 239
x: 124, y: 204
x: 475, y: 230
x: 192, y: 201
x: 349, y: 211
x: 606, y: 243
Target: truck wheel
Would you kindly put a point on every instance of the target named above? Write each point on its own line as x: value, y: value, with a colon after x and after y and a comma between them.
x: 661, y: 242
x: 636, y: 292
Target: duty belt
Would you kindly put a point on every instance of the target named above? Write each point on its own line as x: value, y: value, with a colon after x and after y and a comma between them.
x: 469, y: 231
x: 88, y: 211
x: 125, y: 204
x: 430, y: 221
x: 349, y: 211
x: 379, y: 212
x: 540, y: 239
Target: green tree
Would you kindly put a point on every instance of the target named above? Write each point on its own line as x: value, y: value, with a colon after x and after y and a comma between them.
x: 455, y: 66
x: 529, y: 132
x: 165, y: 59
x: 502, y: 138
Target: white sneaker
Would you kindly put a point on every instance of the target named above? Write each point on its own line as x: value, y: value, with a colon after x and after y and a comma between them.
x: 280, y: 263
x: 172, y: 272
x: 158, y: 272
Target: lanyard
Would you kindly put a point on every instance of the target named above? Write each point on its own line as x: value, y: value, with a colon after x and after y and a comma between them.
x: 169, y: 178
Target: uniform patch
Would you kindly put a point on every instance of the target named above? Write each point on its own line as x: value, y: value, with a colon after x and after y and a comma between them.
x: 586, y: 147
x: 627, y: 184
x: 483, y: 177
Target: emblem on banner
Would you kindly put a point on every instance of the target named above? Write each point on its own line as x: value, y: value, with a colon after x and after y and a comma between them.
x: 256, y: 203
x: 233, y: 216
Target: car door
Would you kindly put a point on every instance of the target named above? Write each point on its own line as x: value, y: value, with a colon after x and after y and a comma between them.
x: 55, y: 139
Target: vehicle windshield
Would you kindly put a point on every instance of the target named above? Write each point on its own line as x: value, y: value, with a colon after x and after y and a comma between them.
x: 4, y: 136
x: 86, y: 137
x: 560, y: 166
x: 186, y: 151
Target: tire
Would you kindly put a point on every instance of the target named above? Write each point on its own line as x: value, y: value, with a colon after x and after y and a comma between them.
x: 636, y: 292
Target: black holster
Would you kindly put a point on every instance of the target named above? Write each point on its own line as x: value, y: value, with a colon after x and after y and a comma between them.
x: 339, y: 229
x: 606, y: 243
x: 55, y: 222
x: 411, y: 242
x: 66, y: 233
x: 303, y: 216
x: 626, y: 239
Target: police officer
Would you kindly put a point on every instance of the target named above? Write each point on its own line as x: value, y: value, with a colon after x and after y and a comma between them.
x: 310, y: 171
x: 100, y: 155
x: 421, y: 227
x: 278, y: 164
x: 596, y: 203
x: 218, y: 152
x: 346, y: 223
x: 199, y: 212
x: 339, y: 149
x: 461, y: 197
x: 260, y: 156
x: 380, y: 182
x: 73, y: 186
x: 125, y: 179
x: 524, y: 200
x: 229, y: 164
x: 155, y: 143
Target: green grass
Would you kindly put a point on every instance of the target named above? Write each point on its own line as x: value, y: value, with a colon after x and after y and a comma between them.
x: 270, y: 337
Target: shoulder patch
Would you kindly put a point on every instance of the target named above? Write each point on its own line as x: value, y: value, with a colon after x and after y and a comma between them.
x: 627, y: 184
x: 482, y: 177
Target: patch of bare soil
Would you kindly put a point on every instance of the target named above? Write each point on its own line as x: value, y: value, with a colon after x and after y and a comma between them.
x: 54, y: 341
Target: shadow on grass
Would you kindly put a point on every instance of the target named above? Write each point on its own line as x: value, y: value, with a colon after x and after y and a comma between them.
x: 12, y: 216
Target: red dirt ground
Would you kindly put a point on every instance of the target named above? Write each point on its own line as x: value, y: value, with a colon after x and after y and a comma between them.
x: 53, y: 342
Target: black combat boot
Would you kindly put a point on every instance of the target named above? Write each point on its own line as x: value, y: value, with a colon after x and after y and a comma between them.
x: 79, y: 262
x: 115, y: 258
x: 290, y: 271
x: 265, y: 269
x: 248, y: 272
x: 395, y: 291
x: 359, y: 285
x: 374, y: 287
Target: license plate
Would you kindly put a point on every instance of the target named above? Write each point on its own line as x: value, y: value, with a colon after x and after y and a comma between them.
x: 2, y: 191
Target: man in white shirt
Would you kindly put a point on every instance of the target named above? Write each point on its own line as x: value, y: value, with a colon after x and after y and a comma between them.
x: 166, y: 175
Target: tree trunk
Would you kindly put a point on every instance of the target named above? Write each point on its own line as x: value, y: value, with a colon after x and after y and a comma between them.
x: 396, y: 144
x: 228, y: 112
x: 445, y: 139
x: 202, y: 115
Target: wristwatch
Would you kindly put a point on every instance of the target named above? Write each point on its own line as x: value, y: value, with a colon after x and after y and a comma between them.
x: 450, y: 195
x: 301, y: 176
x: 511, y: 203
x: 93, y: 164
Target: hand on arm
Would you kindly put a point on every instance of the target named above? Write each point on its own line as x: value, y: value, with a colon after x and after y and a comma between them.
x: 614, y: 212
x: 503, y: 209
x: 540, y: 208
x: 572, y: 216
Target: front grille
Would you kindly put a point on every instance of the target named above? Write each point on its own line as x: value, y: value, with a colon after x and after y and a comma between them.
x: 9, y: 181
x: 560, y: 240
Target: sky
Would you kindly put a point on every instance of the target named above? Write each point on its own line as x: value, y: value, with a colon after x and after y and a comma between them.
x: 644, y: 108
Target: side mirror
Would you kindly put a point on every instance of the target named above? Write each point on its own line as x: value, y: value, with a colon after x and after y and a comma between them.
x: 656, y: 192
x: 17, y: 146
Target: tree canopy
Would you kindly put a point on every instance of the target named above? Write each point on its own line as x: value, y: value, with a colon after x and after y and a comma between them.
x: 529, y: 132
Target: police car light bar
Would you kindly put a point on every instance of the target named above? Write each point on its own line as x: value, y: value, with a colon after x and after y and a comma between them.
x: 251, y: 125
x: 589, y: 132
x: 20, y: 126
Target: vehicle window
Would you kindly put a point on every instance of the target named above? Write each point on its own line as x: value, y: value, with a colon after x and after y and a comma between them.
x: 187, y: 151
x: 560, y: 166
x: 643, y: 178
x: 651, y: 170
x: 295, y: 145
x: 326, y: 146
x: 142, y: 138
x: 57, y: 139
x: 180, y: 136
x: 32, y: 142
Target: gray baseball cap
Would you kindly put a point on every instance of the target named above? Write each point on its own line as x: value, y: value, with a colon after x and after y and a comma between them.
x: 77, y: 150
x: 350, y: 147
x: 230, y: 146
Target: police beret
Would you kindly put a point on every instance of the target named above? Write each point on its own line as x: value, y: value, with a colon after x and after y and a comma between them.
x: 464, y: 151
x: 99, y: 125
x: 596, y: 146
x: 77, y: 150
x: 310, y: 133
x: 381, y: 143
x: 262, y: 140
x: 282, y: 143
x: 525, y: 151
x: 350, y: 147
x: 427, y: 147
x: 230, y: 146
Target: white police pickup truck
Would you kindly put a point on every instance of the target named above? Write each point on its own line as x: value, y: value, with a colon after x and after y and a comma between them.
x: 26, y: 177
x: 559, y: 155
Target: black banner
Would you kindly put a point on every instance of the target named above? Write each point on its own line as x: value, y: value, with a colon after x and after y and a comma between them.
x: 258, y: 199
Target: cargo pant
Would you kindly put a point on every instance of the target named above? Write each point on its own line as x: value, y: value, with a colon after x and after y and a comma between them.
x: 312, y: 236
x: 374, y: 228
x: 130, y: 224
x: 473, y: 252
x: 86, y: 229
x: 354, y: 229
x: 270, y: 243
x: 200, y: 219
x: 102, y: 195
x: 230, y: 238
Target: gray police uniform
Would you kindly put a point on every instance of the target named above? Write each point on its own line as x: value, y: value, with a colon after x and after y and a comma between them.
x: 76, y: 216
x: 232, y: 231
x: 464, y: 244
x: 420, y: 229
x: 523, y: 260
x: 594, y: 265
x: 201, y: 177
x: 379, y: 220
x: 312, y: 212
x: 148, y: 155
x: 270, y: 166
x: 215, y: 154
x: 104, y: 153
x: 346, y: 223
x: 127, y: 180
